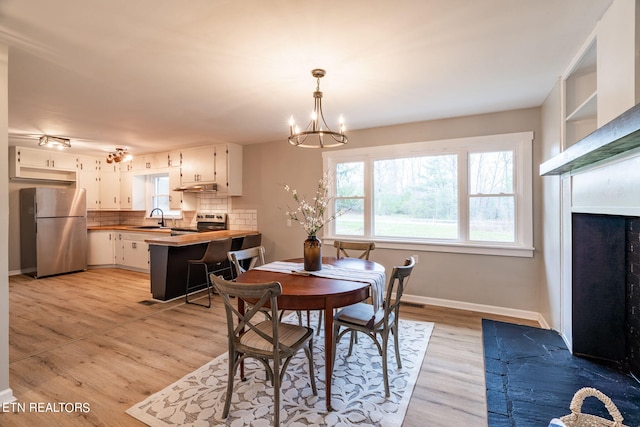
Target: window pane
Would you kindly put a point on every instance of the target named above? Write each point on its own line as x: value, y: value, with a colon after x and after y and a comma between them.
x: 162, y: 184
x: 416, y: 197
x: 350, y: 179
x: 161, y: 202
x: 492, y: 219
x: 491, y: 173
x: 352, y: 222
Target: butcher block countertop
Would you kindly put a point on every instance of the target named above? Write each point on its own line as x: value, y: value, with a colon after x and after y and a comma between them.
x: 182, y: 240
x: 196, y: 238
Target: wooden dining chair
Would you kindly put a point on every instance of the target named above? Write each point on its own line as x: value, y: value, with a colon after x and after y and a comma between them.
x: 214, y: 260
x: 245, y: 259
x: 268, y: 340
x: 362, y: 318
x: 343, y: 248
x: 363, y: 248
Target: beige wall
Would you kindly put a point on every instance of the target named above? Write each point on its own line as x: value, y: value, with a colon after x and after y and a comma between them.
x: 507, y: 282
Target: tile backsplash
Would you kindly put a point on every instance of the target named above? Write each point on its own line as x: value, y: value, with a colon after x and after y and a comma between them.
x: 238, y: 219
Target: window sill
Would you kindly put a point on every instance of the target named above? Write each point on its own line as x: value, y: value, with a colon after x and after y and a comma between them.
x: 448, y: 247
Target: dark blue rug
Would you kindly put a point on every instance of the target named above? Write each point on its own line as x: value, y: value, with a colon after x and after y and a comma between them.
x: 531, y: 378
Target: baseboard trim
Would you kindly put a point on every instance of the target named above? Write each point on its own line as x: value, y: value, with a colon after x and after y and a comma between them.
x: 6, y: 396
x: 482, y: 308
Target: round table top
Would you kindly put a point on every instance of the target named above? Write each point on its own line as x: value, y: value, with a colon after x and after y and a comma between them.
x: 298, y: 285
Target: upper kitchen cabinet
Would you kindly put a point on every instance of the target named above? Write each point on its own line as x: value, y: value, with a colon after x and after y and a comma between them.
x: 229, y: 169
x: 150, y: 162
x: 175, y: 159
x: 110, y: 186
x: 198, y: 165
x: 39, y: 164
x: 88, y: 169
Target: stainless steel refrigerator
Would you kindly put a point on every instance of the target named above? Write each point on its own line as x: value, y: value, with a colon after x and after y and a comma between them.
x: 53, y: 231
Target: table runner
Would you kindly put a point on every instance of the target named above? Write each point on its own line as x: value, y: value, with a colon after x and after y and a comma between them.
x: 374, y: 278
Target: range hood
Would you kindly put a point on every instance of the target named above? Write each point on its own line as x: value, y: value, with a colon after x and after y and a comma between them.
x: 204, y: 187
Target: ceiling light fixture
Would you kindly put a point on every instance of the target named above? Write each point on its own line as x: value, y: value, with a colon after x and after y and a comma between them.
x: 317, y: 134
x: 54, y: 142
x: 120, y: 155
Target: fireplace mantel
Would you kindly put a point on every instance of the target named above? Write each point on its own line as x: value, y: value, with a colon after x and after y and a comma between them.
x: 619, y: 135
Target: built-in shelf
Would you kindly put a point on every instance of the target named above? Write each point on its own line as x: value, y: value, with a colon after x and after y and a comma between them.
x: 619, y: 135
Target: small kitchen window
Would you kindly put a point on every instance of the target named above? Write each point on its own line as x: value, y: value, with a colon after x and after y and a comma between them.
x: 158, y: 190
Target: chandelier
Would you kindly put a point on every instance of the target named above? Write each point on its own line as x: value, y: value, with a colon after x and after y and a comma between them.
x: 120, y: 155
x: 317, y: 134
x: 54, y: 141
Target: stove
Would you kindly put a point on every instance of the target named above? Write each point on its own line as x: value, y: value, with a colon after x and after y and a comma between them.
x: 211, y: 221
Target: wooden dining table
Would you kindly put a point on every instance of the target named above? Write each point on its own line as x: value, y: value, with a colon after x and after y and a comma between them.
x: 309, y: 292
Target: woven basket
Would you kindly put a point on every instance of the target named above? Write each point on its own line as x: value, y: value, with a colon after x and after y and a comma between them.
x: 578, y: 419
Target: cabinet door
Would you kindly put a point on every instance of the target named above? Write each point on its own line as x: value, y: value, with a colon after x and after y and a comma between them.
x: 109, y: 187
x: 88, y: 173
x: 62, y: 160
x: 100, y: 247
x: 229, y: 169
x: 175, y: 159
x: 198, y: 165
x: 118, y: 249
x: 175, y: 197
x: 135, y: 254
x: 35, y: 158
x: 126, y: 190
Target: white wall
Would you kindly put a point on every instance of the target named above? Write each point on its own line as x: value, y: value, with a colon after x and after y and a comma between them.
x: 550, y: 283
x: 6, y: 394
x: 468, y: 281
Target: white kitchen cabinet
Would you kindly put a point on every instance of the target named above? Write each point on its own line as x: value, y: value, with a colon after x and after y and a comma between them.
x: 100, y: 247
x: 150, y: 161
x: 109, y: 186
x: 175, y: 159
x: 45, y: 158
x: 133, y: 251
x: 228, y: 169
x: 175, y: 197
x: 88, y: 172
x: 198, y: 165
x: 126, y: 190
x: 41, y: 164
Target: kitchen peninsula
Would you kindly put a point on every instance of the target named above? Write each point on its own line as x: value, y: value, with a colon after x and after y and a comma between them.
x: 168, y: 260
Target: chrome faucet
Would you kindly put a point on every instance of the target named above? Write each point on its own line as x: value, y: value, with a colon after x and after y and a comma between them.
x: 161, y: 222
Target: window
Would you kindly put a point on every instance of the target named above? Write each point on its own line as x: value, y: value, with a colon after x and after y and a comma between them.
x: 470, y: 195
x: 158, y: 194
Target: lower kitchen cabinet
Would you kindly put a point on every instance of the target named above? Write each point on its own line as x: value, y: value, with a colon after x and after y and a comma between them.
x: 119, y: 249
x: 135, y: 253
x: 100, y: 247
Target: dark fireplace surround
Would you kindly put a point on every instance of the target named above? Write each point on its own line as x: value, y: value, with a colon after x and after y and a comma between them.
x: 606, y: 289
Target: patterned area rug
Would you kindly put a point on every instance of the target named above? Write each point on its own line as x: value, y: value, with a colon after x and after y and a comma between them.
x: 357, y: 389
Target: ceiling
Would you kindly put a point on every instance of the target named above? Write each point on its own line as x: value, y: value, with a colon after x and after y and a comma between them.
x: 152, y: 75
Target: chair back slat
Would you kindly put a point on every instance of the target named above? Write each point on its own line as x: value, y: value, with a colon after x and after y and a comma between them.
x: 398, y: 282
x: 246, y: 259
x: 343, y: 249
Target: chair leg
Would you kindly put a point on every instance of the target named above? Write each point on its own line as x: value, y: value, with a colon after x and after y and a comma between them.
x: 385, y: 370
x: 231, y: 374
x: 312, y: 375
x: 209, y: 287
x: 396, y: 343
x: 276, y: 392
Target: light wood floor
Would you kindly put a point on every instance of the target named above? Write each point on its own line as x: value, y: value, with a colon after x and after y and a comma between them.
x: 87, y: 338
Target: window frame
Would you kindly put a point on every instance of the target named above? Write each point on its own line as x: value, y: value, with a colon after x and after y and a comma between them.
x: 521, y: 143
